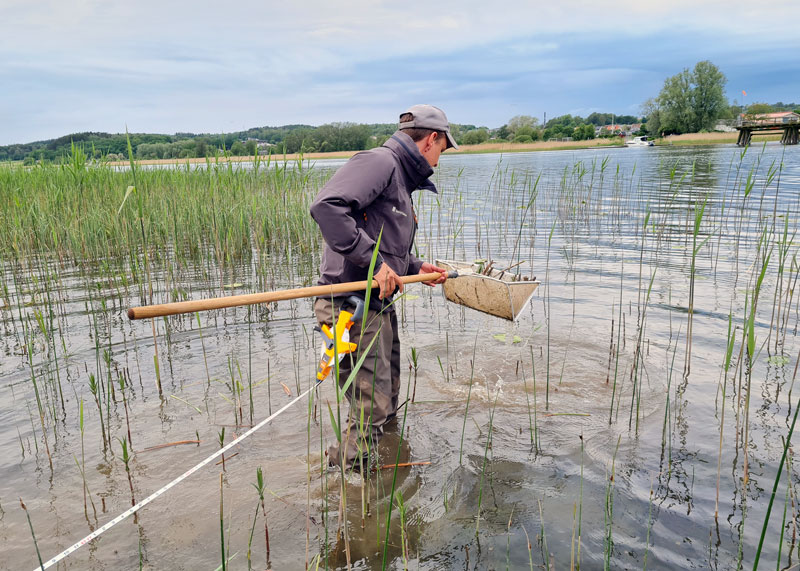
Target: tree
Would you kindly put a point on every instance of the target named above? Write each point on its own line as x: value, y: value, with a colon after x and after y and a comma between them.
x: 476, y: 137
x: 519, y: 121
x: 689, y: 101
x: 675, y: 103
x: 583, y: 132
x: 652, y: 111
x: 600, y: 119
x: 527, y: 131
x: 564, y: 121
x: 708, y: 98
x: 457, y: 132
x: 201, y: 148
x: 759, y: 108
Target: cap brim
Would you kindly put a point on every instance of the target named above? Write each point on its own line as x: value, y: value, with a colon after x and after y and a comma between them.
x: 451, y: 142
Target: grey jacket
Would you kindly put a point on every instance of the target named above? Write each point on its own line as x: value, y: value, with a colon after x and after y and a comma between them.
x: 372, y: 191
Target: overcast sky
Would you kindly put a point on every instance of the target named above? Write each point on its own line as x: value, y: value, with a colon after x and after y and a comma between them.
x: 170, y: 66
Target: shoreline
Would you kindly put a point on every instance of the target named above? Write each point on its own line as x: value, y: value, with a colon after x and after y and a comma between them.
x: 688, y: 139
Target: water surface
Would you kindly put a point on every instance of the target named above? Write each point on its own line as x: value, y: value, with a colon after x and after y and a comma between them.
x: 590, y: 434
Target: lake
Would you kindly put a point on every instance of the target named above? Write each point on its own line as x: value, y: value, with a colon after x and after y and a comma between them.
x: 634, y: 416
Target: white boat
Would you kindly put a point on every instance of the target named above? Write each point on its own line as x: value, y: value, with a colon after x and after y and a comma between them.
x: 639, y: 142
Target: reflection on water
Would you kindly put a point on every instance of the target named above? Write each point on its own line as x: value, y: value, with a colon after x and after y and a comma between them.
x: 581, y: 433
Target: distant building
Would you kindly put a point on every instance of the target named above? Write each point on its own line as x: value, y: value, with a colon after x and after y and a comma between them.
x: 768, y: 119
x: 615, y: 129
x: 780, y: 116
x: 264, y: 147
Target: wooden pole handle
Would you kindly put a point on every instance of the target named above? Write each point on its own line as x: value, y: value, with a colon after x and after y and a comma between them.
x: 160, y: 310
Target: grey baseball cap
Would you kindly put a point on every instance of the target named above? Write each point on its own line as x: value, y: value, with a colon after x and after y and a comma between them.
x: 429, y: 117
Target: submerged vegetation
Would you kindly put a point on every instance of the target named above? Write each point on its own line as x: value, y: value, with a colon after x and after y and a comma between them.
x: 639, y: 414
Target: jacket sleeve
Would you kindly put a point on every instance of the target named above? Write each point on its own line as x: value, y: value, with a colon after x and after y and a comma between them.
x: 414, y: 264
x: 354, y: 186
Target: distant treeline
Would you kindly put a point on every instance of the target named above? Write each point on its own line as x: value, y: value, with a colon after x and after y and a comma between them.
x: 284, y: 139
x: 288, y: 139
x: 333, y: 137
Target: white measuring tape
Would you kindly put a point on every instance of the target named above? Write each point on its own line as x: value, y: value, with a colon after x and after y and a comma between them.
x: 157, y: 493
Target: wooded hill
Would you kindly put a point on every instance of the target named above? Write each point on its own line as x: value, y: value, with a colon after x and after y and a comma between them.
x: 278, y: 140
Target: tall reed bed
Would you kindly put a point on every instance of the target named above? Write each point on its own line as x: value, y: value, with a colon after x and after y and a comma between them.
x: 89, y: 215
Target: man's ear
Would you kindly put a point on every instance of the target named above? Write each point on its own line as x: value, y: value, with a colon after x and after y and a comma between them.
x: 430, y: 140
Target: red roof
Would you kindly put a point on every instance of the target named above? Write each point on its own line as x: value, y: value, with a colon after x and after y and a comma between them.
x: 777, y: 115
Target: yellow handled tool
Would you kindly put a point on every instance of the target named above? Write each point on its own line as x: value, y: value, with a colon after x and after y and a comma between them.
x: 337, y: 341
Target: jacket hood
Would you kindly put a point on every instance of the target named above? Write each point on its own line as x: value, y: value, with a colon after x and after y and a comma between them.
x: 412, y: 160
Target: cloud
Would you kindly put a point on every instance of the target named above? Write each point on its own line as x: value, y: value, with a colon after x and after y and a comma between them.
x: 168, y: 66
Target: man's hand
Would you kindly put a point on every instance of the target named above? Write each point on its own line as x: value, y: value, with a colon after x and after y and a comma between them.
x: 427, y: 268
x: 388, y: 281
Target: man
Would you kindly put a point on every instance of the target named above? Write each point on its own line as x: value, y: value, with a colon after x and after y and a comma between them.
x: 370, y: 196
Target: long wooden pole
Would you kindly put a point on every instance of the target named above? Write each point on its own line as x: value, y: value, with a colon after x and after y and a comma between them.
x: 148, y: 311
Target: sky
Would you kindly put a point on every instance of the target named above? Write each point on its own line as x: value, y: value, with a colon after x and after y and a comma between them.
x: 211, y: 67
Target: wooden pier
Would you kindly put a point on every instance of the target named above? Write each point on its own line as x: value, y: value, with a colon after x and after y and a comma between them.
x: 788, y: 122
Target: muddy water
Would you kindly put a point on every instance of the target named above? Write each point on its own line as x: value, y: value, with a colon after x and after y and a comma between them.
x: 574, y: 434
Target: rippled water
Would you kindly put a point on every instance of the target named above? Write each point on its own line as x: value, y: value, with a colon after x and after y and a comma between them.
x: 589, y: 434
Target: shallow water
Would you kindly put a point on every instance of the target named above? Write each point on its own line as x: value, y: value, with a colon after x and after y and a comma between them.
x: 627, y: 462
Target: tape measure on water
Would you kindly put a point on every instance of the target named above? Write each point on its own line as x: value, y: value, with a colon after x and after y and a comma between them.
x: 159, y: 492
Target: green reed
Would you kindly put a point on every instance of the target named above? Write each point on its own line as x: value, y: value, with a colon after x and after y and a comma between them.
x: 545, y: 550
x: 414, y: 365
x: 536, y: 444
x: 260, y: 486
x: 469, y: 396
x: 788, y: 499
x: 39, y: 403
x: 699, y: 210
x: 638, y: 359
x: 533, y: 432
x: 786, y: 443
x: 649, y: 527
x: 82, y: 468
x: 616, y: 346
x: 726, y: 365
x: 384, y: 560
x: 487, y: 447
x: 223, y: 550
x: 548, y: 317
x: 608, y: 513
x: 33, y: 534
x: 576, y: 560
x: 530, y: 548
x: 126, y: 458
x: 221, y: 440
x: 508, y: 540
x: 401, y: 508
